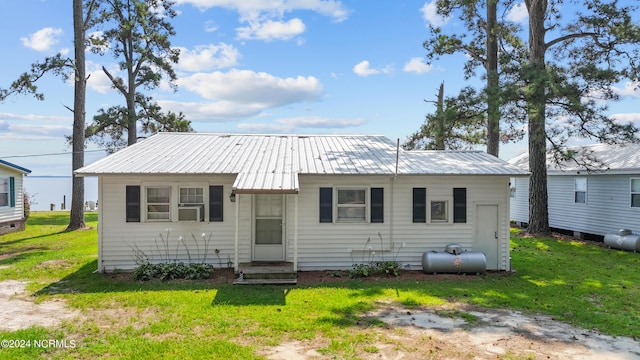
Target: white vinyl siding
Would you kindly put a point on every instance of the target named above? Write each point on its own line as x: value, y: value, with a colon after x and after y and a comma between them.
x: 320, y: 245
x: 7, y: 212
x: 608, y: 204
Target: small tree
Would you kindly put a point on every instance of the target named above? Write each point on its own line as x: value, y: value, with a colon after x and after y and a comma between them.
x: 458, y: 123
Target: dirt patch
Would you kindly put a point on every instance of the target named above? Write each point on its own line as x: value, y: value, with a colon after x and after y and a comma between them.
x: 488, y: 334
x: 18, y: 311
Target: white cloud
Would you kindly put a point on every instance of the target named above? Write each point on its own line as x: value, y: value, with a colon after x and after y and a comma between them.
x: 265, y: 18
x: 417, y: 65
x: 245, y: 86
x: 210, y: 26
x: 238, y: 94
x: 208, y: 57
x: 625, y: 118
x: 33, y: 117
x: 303, y: 122
x: 364, y: 69
x: 430, y: 14
x: 217, y: 111
x: 630, y: 89
x: 331, y: 8
x: 43, y: 39
x: 518, y: 13
x: 271, y: 30
x: 98, y: 80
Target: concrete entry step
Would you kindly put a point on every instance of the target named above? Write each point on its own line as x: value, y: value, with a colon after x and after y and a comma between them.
x: 266, y: 273
x: 265, y: 282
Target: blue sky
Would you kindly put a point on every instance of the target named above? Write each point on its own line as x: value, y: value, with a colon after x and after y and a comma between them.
x: 259, y: 66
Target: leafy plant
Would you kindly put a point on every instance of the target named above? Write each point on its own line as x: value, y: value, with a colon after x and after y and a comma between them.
x: 381, y: 267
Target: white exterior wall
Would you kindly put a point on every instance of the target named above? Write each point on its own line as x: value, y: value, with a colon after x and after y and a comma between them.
x: 607, y: 208
x: 118, y: 238
x: 320, y: 245
x: 520, y: 203
x: 8, y: 213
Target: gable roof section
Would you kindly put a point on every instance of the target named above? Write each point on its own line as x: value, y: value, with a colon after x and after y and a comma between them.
x: 14, y: 167
x: 603, y: 158
x: 273, y: 162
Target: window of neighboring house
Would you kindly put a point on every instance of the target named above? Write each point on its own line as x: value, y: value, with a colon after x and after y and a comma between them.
x: 352, y: 205
x: 159, y: 203
x: 580, y: 190
x: 4, y: 192
x: 635, y: 192
x: 439, y: 210
x: 191, y: 204
x: 512, y: 188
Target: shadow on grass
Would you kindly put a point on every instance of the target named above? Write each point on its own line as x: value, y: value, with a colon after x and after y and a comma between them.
x: 251, y: 295
x: 87, y: 280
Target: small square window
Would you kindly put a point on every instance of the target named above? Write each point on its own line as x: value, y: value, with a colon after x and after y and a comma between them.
x: 191, y: 205
x: 439, y: 211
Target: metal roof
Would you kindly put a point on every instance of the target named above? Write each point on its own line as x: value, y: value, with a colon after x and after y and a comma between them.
x: 601, y: 158
x: 273, y: 162
x: 15, y: 167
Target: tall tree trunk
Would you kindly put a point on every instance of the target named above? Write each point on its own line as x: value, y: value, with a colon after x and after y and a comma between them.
x: 536, y: 100
x: 493, y: 100
x: 132, y: 131
x: 76, y: 220
x: 440, y: 131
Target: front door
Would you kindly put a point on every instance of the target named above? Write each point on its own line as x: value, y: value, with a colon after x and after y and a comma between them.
x: 268, y: 239
x: 487, y: 234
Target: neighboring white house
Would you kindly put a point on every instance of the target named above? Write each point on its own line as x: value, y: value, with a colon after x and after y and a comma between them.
x: 11, y: 197
x: 596, y: 199
x: 309, y: 200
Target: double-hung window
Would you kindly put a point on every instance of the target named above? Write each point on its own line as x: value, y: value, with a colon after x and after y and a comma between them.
x: 352, y: 205
x: 191, y: 204
x: 4, y: 192
x: 635, y: 192
x: 580, y: 190
x: 159, y: 203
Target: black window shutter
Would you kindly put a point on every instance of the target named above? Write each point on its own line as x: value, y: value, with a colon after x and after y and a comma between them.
x: 419, y: 205
x: 377, y: 205
x: 459, y: 205
x: 12, y: 191
x: 133, y: 203
x: 326, y: 205
x: 216, y: 201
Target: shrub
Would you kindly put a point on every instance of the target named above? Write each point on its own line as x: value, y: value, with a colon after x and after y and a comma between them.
x: 172, y: 271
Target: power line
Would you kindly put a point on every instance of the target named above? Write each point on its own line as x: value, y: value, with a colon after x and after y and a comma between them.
x: 49, y: 154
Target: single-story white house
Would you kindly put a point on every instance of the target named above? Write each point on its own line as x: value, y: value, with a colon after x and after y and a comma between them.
x: 597, y: 199
x: 11, y: 197
x: 312, y: 201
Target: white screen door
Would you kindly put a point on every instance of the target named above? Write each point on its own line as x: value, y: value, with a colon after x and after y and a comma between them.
x: 268, y: 244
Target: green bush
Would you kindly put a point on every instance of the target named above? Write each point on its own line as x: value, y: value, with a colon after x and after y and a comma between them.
x: 172, y: 271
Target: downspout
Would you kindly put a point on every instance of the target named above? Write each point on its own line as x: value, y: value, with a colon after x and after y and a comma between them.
x: 393, y: 183
x: 295, y: 234
x: 237, y: 238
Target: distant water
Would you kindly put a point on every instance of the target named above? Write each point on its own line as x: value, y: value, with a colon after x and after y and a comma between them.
x: 46, y: 190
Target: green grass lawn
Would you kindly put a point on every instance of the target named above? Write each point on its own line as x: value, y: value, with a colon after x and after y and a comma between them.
x: 579, y: 283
